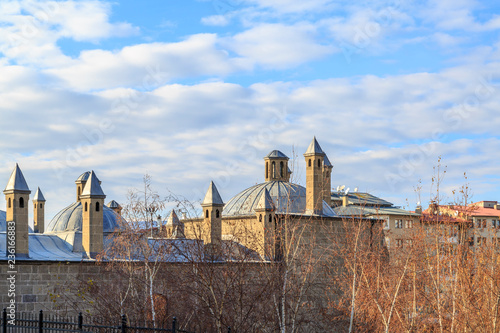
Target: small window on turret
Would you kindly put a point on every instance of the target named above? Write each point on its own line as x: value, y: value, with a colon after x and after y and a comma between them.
x: 97, y: 208
x: 86, y: 207
x: 309, y: 162
x: 206, y: 214
x: 21, y: 202
x: 267, y: 170
x: 217, y: 214
x: 319, y: 163
x: 282, y: 168
x: 35, y: 206
x: 260, y: 217
x: 273, y: 171
x: 41, y: 206
x: 10, y: 203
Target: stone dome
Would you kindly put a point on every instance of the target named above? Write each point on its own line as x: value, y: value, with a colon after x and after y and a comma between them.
x: 287, y: 198
x: 70, y: 219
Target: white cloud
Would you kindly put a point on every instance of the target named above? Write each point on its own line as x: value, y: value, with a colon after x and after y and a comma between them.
x: 278, y: 46
x: 216, y: 20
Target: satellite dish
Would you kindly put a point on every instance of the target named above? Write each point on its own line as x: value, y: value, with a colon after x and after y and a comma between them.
x: 338, y: 188
x: 347, y: 191
x: 342, y: 187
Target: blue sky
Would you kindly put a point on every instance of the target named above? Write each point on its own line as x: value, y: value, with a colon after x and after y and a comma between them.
x: 190, y: 91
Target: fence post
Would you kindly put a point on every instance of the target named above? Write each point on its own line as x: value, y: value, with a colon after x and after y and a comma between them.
x: 80, y: 321
x: 40, y: 322
x: 174, y: 325
x: 124, y: 323
x: 4, y: 320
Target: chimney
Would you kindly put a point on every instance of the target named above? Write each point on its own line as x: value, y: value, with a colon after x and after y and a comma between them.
x: 345, y: 200
x: 418, y: 210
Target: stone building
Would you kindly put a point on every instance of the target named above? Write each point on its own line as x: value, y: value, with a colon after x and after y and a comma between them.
x: 257, y: 220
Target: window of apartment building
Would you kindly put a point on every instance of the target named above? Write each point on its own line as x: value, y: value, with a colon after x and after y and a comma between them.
x: 409, y: 224
x: 398, y: 224
x: 481, y: 241
x: 386, y: 224
x: 399, y: 243
x: 409, y: 242
x: 485, y: 222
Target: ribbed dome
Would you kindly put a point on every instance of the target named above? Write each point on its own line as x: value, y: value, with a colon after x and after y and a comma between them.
x: 287, y: 197
x: 70, y: 219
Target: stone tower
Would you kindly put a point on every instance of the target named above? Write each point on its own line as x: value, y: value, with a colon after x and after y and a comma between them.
x: 174, y: 228
x: 17, y: 196
x: 92, y: 198
x: 314, y: 178
x: 212, y: 217
x: 265, y: 211
x: 80, y: 184
x: 115, y: 206
x: 39, y: 212
x: 277, y: 166
x: 327, y: 181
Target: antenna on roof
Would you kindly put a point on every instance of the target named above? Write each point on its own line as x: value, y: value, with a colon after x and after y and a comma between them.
x: 342, y: 187
x: 338, y: 188
x: 356, y: 189
x: 347, y: 191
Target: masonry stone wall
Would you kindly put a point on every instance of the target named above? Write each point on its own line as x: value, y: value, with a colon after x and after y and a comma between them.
x: 37, y: 283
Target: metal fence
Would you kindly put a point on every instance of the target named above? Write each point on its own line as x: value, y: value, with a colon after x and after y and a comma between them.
x: 29, y: 323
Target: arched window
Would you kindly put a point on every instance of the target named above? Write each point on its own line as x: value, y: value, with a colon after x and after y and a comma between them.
x: 217, y: 214
x: 309, y: 162
x: 319, y: 163
x: 282, y: 171
x: 10, y: 203
x: 267, y: 170
x: 79, y: 191
x: 273, y: 166
x: 41, y: 206
x: 21, y: 202
x: 206, y: 213
x: 35, y: 206
x: 270, y: 218
x: 86, y: 207
x: 260, y: 217
x: 97, y: 207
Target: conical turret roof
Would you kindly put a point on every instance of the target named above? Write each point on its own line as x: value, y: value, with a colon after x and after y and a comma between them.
x: 113, y: 204
x: 173, y: 220
x: 38, y: 195
x: 327, y: 161
x: 265, y: 201
x: 92, y: 187
x: 314, y: 148
x: 17, y: 182
x: 276, y: 154
x: 212, y: 197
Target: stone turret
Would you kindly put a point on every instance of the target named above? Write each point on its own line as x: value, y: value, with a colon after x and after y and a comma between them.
x: 92, y: 198
x: 174, y: 228
x: 277, y: 166
x: 265, y: 211
x: 115, y: 206
x: 212, y: 217
x: 80, y: 184
x: 314, y: 156
x: 39, y: 212
x: 327, y: 181
x: 17, y: 196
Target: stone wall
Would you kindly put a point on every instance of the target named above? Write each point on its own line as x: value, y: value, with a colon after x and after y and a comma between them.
x: 37, y: 283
